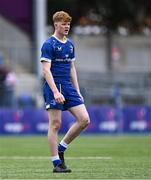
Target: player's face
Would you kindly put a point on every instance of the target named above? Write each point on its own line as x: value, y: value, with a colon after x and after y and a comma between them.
x: 62, y: 27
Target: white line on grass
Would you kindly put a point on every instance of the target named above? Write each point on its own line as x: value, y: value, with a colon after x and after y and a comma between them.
x: 46, y: 157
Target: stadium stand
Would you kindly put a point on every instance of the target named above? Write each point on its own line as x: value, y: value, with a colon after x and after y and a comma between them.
x: 16, y: 46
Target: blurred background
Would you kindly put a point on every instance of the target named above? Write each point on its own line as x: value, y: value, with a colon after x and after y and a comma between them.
x: 113, y: 42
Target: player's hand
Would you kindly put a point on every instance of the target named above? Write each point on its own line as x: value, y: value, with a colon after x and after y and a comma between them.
x: 59, y: 98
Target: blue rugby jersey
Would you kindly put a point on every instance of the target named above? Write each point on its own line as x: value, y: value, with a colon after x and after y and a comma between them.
x: 60, y: 54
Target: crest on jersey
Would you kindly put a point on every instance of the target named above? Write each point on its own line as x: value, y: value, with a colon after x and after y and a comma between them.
x: 71, y: 49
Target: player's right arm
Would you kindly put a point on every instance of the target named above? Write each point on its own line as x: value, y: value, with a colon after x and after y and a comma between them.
x: 46, y: 66
x: 59, y: 98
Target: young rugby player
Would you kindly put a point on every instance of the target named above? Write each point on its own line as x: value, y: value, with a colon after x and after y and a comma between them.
x: 61, y: 89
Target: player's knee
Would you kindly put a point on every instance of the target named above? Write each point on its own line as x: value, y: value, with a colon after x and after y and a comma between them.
x: 85, y: 121
x: 56, y: 124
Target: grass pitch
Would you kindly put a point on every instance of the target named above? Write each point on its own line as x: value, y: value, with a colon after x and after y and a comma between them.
x: 90, y: 157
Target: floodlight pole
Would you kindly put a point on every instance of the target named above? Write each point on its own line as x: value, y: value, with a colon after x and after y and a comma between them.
x: 39, y: 30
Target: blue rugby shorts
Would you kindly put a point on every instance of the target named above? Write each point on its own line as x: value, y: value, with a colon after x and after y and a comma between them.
x: 70, y: 94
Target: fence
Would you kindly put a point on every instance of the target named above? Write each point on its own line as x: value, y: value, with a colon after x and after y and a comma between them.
x: 104, y: 119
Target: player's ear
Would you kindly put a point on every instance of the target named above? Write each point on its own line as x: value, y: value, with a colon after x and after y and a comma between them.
x: 55, y: 25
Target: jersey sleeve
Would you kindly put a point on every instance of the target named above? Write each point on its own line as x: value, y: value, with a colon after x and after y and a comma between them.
x: 72, y: 50
x: 46, y: 52
x: 73, y: 55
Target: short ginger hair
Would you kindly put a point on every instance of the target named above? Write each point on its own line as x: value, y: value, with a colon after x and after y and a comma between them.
x: 61, y: 16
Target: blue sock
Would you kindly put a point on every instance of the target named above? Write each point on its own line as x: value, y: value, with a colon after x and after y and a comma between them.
x: 62, y: 146
x: 55, y: 160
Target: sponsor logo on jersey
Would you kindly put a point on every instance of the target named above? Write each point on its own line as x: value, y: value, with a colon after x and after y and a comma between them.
x: 59, y: 48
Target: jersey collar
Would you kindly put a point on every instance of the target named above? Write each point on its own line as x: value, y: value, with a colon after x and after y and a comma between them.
x: 59, y: 39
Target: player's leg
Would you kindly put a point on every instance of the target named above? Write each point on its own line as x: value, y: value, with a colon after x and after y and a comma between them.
x: 82, y: 121
x: 54, y: 125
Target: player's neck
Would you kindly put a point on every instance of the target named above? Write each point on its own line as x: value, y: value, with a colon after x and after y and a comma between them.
x: 60, y: 37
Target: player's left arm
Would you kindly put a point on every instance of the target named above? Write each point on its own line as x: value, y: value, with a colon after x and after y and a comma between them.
x: 74, y: 78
